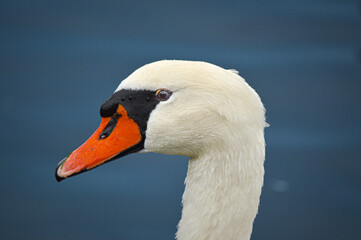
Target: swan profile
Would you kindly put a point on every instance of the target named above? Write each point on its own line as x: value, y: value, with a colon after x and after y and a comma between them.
x: 198, y: 110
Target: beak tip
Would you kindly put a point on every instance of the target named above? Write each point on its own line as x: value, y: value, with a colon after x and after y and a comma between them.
x: 57, y: 177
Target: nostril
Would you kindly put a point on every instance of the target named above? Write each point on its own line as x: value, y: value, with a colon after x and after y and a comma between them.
x: 110, y: 127
x: 103, y: 135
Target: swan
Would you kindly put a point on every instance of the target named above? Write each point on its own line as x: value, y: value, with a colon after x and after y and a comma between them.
x: 198, y: 110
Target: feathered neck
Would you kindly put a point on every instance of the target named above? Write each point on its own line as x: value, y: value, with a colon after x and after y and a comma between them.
x: 223, y: 188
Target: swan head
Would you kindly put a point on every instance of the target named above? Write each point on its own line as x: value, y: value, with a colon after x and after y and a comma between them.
x: 171, y: 107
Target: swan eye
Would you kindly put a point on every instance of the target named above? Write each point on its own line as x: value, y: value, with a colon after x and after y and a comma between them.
x: 163, y: 94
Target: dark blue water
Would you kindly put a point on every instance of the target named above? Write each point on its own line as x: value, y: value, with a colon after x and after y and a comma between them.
x: 59, y: 60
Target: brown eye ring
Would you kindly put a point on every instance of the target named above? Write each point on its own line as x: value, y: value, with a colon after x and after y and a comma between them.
x: 163, y: 94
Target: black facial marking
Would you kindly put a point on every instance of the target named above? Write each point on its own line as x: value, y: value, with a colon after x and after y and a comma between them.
x: 138, y: 104
x: 108, y: 109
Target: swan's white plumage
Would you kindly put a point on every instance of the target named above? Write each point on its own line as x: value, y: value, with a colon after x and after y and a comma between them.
x: 215, y: 118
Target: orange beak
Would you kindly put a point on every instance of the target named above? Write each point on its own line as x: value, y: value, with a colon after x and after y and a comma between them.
x: 116, y: 136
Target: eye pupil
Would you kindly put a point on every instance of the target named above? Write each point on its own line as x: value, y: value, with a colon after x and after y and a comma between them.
x: 163, y: 94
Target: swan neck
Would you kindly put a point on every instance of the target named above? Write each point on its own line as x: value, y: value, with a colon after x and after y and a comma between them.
x: 222, y: 194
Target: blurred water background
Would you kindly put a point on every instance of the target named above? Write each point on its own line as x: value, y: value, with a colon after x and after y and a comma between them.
x: 59, y: 60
